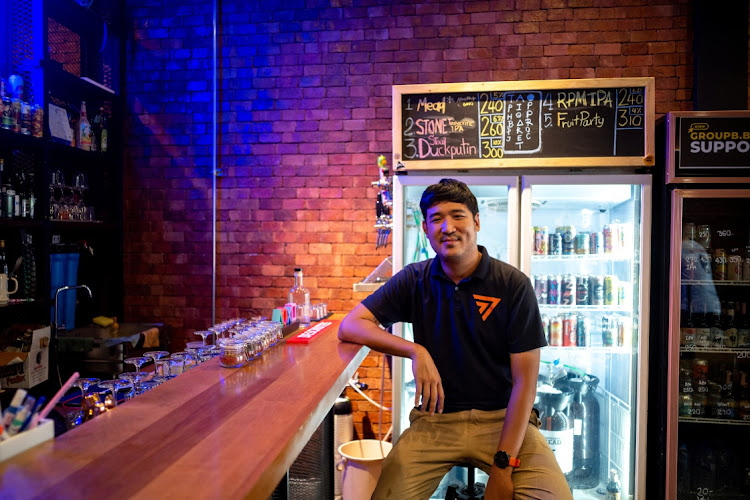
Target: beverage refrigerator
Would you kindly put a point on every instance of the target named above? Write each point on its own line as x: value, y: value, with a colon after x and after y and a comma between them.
x: 583, y: 239
x: 706, y: 286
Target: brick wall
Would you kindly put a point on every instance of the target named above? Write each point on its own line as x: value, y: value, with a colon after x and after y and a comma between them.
x: 305, y: 111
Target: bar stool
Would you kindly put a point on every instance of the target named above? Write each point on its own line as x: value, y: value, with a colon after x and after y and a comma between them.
x: 472, y: 491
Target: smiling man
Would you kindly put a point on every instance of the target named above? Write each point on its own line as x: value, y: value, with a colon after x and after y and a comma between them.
x: 475, y: 358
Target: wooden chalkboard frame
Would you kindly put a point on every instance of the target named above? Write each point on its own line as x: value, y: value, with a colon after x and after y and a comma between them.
x: 646, y: 159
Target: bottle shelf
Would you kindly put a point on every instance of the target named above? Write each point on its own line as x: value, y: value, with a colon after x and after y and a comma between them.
x: 726, y: 350
x: 11, y: 140
x: 584, y: 308
x: 19, y: 222
x: 595, y: 349
x: 716, y: 282
x: 588, y: 257
x: 714, y: 421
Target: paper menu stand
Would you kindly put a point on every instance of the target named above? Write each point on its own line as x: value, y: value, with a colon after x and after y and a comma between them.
x: 27, y: 439
x: 59, y: 126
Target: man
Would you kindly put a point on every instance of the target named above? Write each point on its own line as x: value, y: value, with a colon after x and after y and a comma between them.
x: 475, y: 359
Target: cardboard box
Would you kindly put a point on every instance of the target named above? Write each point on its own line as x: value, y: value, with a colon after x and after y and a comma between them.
x: 26, y: 369
x: 27, y: 439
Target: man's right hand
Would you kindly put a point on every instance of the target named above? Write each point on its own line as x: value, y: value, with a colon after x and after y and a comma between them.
x: 428, y: 382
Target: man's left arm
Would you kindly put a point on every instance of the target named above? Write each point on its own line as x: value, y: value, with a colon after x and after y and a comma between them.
x: 525, y: 370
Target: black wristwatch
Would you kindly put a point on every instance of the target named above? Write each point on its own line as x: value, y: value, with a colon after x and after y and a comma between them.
x: 503, y: 460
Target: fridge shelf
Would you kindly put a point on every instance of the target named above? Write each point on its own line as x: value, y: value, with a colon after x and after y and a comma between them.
x: 730, y: 350
x: 594, y: 349
x: 716, y: 282
x: 580, y: 308
x: 719, y: 421
x: 599, y: 257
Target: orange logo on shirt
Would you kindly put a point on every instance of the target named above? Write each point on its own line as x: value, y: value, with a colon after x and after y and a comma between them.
x: 486, y: 305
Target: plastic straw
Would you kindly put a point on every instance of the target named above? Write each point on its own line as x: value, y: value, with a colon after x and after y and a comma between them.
x: 54, y: 400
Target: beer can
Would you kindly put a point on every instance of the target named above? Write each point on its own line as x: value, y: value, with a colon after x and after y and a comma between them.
x: 25, y: 118
x: 37, y: 121
x: 624, y: 332
x: 582, y: 291
x: 608, y: 334
x: 569, y: 330
x: 700, y: 370
x: 535, y: 242
x: 540, y: 287
x: 583, y: 331
x: 596, y: 290
x: 704, y: 236
x: 553, y: 289
x: 686, y: 404
x: 596, y: 243
x: 607, y: 236
x: 621, y: 294
x: 688, y: 231
x: 543, y: 238
x: 555, y: 331
x: 568, y: 240
x: 582, y: 244
x: 568, y: 290
x: 610, y: 284
x: 555, y: 244
x: 545, y: 327
x: 720, y: 264
x: 734, y: 268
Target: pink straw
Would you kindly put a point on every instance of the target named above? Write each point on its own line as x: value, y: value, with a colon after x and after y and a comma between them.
x: 53, y: 401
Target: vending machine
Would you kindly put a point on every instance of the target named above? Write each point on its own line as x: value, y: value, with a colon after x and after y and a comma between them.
x: 707, y: 187
x: 576, y: 221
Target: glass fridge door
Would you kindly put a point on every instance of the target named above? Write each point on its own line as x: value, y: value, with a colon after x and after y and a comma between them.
x: 582, y: 245
x: 498, y: 202
x: 708, y: 428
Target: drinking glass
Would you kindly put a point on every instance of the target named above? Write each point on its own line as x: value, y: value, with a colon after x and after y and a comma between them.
x: 135, y: 378
x: 156, y: 356
x: 137, y: 361
x: 147, y: 385
x: 83, y: 385
x: 113, y: 386
x: 203, y: 334
x: 177, y: 363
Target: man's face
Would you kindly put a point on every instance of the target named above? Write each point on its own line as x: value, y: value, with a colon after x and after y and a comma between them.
x: 452, y: 230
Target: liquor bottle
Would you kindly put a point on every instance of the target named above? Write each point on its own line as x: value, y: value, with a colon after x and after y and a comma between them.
x: 703, y: 329
x: 687, y: 329
x: 730, y: 329
x: 7, y: 120
x: 717, y: 331
x: 96, y: 129
x: 301, y: 296
x: 743, y: 329
x: 3, y: 260
x: 577, y: 411
x: 104, y: 132
x: 84, y: 130
x: 613, y: 486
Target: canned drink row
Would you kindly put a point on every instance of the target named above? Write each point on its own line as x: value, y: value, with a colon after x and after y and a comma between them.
x: 613, y: 238
x: 575, y: 330
x: 581, y: 290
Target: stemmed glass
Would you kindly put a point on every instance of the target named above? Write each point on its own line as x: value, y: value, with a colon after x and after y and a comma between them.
x: 113, y: 386
x: 156, y: 356
x: 83, y: 385
x: 203, y: 334
x: 137, y: 361
x: 135, y: 379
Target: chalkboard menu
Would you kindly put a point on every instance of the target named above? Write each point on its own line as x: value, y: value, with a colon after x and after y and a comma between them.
x: 559, y: 122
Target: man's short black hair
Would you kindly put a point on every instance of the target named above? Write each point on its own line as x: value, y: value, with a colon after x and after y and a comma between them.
x: 448, y: 190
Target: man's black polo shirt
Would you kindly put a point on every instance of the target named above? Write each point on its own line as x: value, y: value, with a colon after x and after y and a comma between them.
x: 469, y: 329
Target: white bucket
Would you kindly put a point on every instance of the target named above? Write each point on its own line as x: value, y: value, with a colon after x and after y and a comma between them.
x: 364, y: 461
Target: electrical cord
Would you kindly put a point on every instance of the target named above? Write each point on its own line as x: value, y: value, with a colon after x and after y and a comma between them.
x: 353, y: 385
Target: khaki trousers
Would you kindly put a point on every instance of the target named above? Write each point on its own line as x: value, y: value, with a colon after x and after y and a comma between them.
x: 432, y: 445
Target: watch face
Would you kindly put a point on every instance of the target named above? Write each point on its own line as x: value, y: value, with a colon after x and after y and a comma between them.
x: 502, y: 459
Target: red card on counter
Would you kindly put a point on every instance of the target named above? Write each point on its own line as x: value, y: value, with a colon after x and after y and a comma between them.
x: 312, y: 332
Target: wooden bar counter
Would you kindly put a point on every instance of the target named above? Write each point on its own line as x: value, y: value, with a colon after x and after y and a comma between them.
x: 211, y: 432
